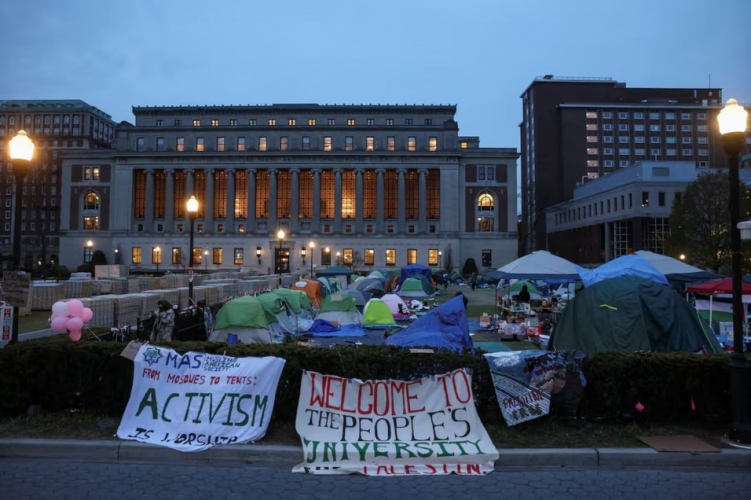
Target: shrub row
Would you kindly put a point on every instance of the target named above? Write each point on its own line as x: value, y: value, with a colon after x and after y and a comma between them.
x: 58, y: 374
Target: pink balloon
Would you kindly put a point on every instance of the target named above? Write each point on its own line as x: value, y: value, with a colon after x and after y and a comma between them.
x: 59, y: 324
x: 75, y: 308
x: 60, y: 308
x: 74, y: 324
x: 87, y: 314
x: 75, y: 335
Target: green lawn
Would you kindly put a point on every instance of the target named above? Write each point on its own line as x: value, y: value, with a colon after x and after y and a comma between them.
x: 37, y: 320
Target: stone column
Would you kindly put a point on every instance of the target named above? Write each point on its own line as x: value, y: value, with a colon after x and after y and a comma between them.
x: 250, y: 221
x: 402, y: 202
x: 294, y: 220
x: 423, y: 200
x: 338, y: 200
x: 189, y: 183
x: 229, y: 216
x: 208, y: 212
x: 149, y: 218
x: 169, y: 205
x: 272, y: 202
x: 379, y: 195
x: 316, y: 200
x: 358, y: 200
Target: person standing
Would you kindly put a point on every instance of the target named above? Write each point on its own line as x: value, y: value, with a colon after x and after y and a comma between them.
x: 164, y: 324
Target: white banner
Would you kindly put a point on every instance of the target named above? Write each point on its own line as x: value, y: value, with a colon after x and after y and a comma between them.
x: 392, y: 427
x: 193, y: 401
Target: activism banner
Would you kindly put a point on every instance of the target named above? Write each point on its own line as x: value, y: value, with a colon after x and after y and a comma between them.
x: 527, y: 381
x: 192, y: 401
x: 392, y: 427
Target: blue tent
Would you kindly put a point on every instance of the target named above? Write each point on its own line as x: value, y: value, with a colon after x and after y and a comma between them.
x: 626, y: 265
x: 444, y: 326
x: 413, y: 270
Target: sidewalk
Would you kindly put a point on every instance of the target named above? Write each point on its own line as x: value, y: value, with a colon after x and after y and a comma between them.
x: 288, y: 456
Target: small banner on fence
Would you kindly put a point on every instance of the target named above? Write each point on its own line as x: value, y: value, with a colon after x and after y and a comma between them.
x: 193, y: 401
x: 527, y: 381
x: 392, y: 427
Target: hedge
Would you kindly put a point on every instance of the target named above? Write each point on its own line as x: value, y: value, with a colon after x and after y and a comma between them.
x: 58, y: 374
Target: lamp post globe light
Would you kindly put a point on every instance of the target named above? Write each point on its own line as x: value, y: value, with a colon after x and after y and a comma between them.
x: 312, y: 245
x: 157, y: 257
x: 280, y: 235
x: 206, y: 261
x: 192, y: 214
x: 21, y: 154
x: 732, y: 121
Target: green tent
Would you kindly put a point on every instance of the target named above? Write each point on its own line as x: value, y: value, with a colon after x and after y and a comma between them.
x: 414, y: 288
x: 296, y: 299
x: 516, y: 286
x: 377, y: 313
x: 338, y: 302
x: 243, y: 311
x: 629, y: 314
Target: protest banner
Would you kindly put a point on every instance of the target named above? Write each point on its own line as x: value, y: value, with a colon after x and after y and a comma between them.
x: 527, y: 381
x: 392, y: 427
x: 192, y: 401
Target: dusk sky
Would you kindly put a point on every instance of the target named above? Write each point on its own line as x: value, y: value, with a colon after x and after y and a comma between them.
x: 478, y: 54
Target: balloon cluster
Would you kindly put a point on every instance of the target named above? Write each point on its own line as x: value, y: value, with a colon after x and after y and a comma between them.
x: 70, y: 316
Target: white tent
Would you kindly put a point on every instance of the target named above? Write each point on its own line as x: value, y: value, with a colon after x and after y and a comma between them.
x: 538, y: 265
x: 674, y: 269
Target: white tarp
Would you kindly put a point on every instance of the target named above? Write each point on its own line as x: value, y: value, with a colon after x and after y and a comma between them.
x: 392, y: 427
x: 192, y: 401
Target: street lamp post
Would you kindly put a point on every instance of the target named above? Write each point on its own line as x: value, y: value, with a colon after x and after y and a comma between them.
x: 733, y: 120
x: 192, y: 214
x: 280, y: 235
x: 206, y: 259
x: 157, y: 258
x: 21, y: 153
x: 312, y: 245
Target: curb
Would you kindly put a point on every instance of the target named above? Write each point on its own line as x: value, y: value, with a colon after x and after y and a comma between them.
x: 273, y: 455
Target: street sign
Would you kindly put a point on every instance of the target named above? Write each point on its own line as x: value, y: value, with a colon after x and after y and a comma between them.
x: 6, y: 313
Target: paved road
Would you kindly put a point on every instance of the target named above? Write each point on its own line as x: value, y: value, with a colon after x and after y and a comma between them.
x: 42, y: 479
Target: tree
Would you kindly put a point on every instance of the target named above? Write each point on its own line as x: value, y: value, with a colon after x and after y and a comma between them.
x: 700, y: 221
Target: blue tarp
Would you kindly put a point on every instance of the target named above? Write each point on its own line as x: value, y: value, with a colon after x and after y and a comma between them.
x: 342, y: 331
x: 627, y: 265
x: 413, y: 270
x: 444, y: 326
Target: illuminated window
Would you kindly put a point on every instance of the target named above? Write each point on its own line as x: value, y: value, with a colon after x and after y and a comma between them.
x: 177, y: 255
x: 214, y: 123
x: 390, y: 143
x: 283, y: 143
x: 135, y: 255
x: 91, y: 201
x: 291, y: 122
x: 199, y: 143
x: 327, y: 143
x: 485, y: 202
x: 325, y: 256
x: 262, y: 143
x: 241, y: 143
x: 369, y: 256
x: 347, y: 256
x: 390, y: 257
x: 351, y: 122
x: 91, y: 223
x: 433, y: 143
x: 239, y: 256
x: 196, y: 123
x: 411, y: 144
x: 311, y: 121
x: 370, y: 143
x: 272, y: 122
x: 217, y: 254
x: 180, y: 144
x: 220, y: 143
x: 411, y: 256
x: 433, y: 257
x: 463, y: 145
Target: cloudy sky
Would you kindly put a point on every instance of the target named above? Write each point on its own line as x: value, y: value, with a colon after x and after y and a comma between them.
x: 477, y: 54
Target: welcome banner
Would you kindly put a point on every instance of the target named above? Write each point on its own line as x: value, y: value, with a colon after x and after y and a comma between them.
x: 392, y: 427
x: 193, y: 401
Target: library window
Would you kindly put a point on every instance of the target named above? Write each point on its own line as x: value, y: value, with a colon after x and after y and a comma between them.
x: 241, y: 143
x: 199, y: 143
x: 389, y: 121
x: 370, y: 121
x: 433, y: 143
x: 180, y: 144
x: 272, y: 122
x: 220, y: 143
x: 370, y: 143
x: 311, y: 122
x: 350, y: 122
x: 214, y: 123
x: 196, y: 123
x: 306, y: 143
x: 262, y: 143
x: 331, y: 121
x: 283, y: 143
x: 252, y: 122
x: 411, y: 144
x: 390, y: 143
x: 348, y: 143
x: 327, y: 143
x: 390, y: 257
x: 135, y: 255
x: 291, y: 122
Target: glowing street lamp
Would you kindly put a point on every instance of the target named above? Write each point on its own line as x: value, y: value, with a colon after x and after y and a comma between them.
x: 733, y: 121
x: 280, y: 235
x: 157, y: 257
x: 192, y: 215
x: 312, y: 245
x: 206, y: 261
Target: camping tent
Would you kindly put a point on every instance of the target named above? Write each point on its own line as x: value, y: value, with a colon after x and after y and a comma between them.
x: 537, y: 265
x: 724, y: 285
x: 399, y: 309
x: 414, y: 270
x: 415, y: 288
x: 246, y: 318
x: 444, y: 326
x: 628, y: 314
x: 377, y: 315
x: 675, y: 270
x: 337, y: 274
x: 625, y: 265
x: 340, y: 308
x: 312, y: 288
